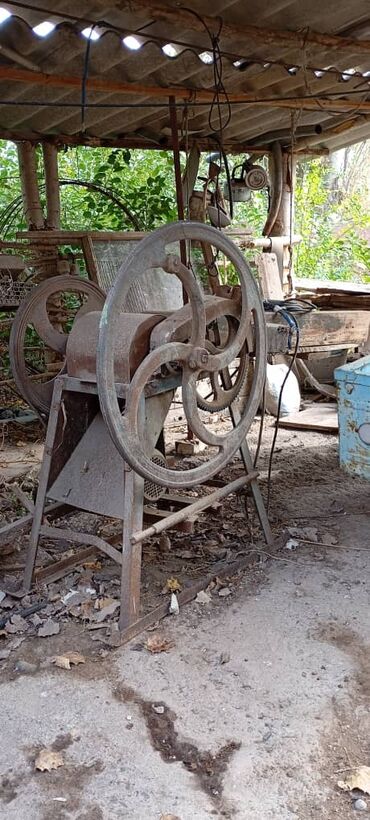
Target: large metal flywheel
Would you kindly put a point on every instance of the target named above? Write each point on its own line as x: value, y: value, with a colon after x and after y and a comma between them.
x: 40, y: 314
x: 194, y: 357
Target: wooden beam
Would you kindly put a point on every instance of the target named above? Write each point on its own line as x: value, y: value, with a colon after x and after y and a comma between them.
x: 64, y: 237
x: 181, y: 92
x: 133, y: 141
x: 90, y: 259
x: 241, y: 32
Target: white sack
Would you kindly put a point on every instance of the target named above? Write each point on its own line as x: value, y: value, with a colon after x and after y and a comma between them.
x: 291, y: 399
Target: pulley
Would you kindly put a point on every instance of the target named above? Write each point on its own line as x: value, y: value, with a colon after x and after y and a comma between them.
x: 193, y: 357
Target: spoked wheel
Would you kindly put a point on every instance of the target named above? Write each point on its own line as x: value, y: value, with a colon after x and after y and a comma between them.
x: 216, y: 391
x: 40, y: 331
x: 193, y: 357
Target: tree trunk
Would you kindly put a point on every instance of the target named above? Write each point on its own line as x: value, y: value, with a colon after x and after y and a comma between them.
x: 30, y: 189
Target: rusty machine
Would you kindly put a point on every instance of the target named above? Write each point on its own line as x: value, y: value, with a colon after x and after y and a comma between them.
x: 107, y: 406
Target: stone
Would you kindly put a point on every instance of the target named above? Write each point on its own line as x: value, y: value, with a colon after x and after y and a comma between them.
x: 25, y: 668
x: 360, y: 804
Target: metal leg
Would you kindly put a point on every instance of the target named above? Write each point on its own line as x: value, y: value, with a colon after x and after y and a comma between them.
x: 43, y: 486
x: 256, y: 492
x: 131, y: 553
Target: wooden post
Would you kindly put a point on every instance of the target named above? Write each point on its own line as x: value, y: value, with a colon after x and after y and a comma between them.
x: 50, y: 154
x: 284, y: 224
x: 30, y: 189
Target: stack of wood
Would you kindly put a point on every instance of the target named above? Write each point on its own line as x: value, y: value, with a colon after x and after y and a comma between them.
x: 334, y: 295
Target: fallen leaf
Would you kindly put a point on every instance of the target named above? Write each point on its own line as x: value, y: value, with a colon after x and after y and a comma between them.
x: 106, y: 611
x: 224, y: 592
x: 47, y: 760
x: 86, y: 610
x: 158, y: 643
x: 7, y: 603
x: 171, y: 585
x: 16, y: 624
x: 100, y: 603
x: 92, y: 565
x: 50, y: 627
x: 164, y: 543
x: 329, y: 539
x: 224, y: 657
x: 358, y: 779
x: 203, y: 597
x: 169, y: 817
x: 69, y: 658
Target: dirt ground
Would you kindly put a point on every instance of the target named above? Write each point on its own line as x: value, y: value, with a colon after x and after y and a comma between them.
x: 260, y: 704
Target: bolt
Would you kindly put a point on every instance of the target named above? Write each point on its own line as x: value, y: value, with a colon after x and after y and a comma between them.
x: 192, y: 363
x: 204, y: 358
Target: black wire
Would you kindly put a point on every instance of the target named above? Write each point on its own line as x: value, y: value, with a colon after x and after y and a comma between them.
x: 292, y: 362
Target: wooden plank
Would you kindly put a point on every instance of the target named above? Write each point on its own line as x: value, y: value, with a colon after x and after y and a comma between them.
x: 90, y: 259
x: 68, y: 236
x: 334, y: 328
x: 269, y: 276
x: 322, y: 417
x: 158, y: 92
x: 328, y: 286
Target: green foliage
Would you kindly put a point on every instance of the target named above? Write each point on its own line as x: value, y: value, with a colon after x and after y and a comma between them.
x: 331, y: 208
x: 143, y: 181
x: 331, y: 219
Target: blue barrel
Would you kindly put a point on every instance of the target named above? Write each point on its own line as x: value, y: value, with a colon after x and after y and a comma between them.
x: 353, y: 382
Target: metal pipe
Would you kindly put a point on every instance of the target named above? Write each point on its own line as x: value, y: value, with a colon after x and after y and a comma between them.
x: 198, y: 506
x: 276, y: 170
x: 285, y: 134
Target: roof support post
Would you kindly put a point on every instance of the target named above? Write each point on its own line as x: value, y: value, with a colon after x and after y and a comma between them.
x: 30, y: 188
x: 50, y: 154
x: 284, y: 223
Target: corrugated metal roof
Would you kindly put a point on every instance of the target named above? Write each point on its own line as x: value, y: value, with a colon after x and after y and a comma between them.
x: 264, y: 69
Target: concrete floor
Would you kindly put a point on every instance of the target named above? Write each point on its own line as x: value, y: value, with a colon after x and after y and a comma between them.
x: 265, y: 694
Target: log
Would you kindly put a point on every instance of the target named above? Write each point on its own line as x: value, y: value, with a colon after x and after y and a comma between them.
x: 183, y: 93
x: 50, y: 154
x: 30, y: 189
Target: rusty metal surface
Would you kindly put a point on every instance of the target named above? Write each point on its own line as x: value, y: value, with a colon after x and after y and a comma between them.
x: 131, y: 345
x: 193, y: 357
x: 63, y: 52
x: 34, y: 311
x: 92, y: 478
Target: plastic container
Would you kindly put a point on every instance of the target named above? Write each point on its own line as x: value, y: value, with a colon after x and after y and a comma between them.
x: 353, y: 381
